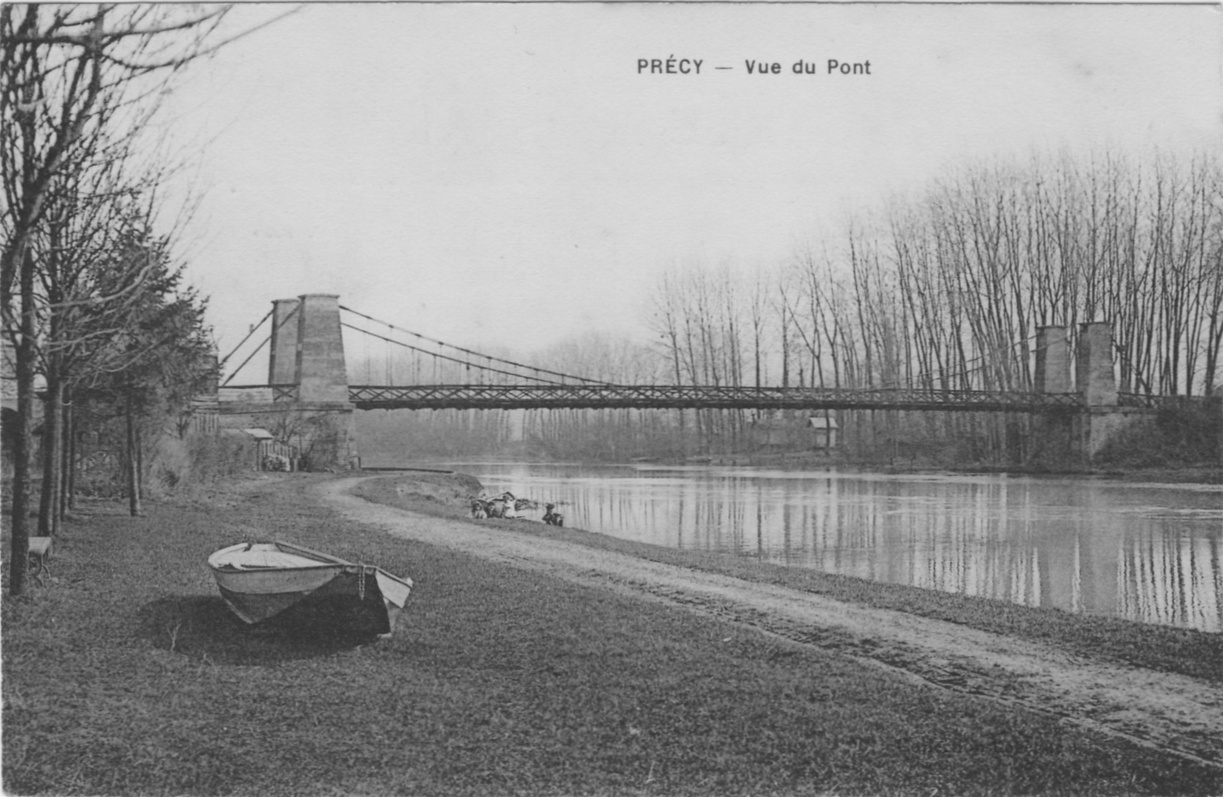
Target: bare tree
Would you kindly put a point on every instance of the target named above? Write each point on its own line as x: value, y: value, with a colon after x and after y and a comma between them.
x: 78, y: 84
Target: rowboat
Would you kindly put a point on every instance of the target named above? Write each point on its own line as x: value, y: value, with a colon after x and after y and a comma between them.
x: 259, y: 580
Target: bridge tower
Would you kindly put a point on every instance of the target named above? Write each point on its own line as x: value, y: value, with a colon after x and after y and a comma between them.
x: 309, y: 376
x: 1096, y: 381
x: 1093, y: 364
x: 1067, y: 438
x: 282, y: 363
x: 1075, y: 438
x: 1053, y: 429
x: 1052, y: 360
x: 308, y: 348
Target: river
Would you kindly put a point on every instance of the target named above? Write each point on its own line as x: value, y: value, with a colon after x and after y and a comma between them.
x: 1152, y: 553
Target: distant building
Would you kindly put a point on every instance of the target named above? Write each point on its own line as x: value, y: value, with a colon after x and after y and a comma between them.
x: 817, y: 432
x: 264, y: 452
x: 824, y: 431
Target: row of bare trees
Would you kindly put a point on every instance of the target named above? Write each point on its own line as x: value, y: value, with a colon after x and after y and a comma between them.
x: 93, y: 304
x: 946, y: 288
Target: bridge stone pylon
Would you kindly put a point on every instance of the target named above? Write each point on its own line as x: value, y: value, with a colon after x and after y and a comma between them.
x: 1094, y: 375
x: 1100, y: 418
x: 309, y: 379
x: 1052, y: 360
x: 308, y: 349
x: 282, y: 362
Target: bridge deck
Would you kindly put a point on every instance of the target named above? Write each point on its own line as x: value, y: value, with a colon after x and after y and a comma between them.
x: 591, y: 396
x: 586, y: 396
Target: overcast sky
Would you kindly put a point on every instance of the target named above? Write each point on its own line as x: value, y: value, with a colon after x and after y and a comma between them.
x: 504, y: 174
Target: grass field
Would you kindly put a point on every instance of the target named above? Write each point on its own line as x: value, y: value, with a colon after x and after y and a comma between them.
x: 126, y: 675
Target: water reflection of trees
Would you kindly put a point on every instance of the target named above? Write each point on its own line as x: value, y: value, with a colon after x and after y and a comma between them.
x: 1027, y: 542
x: 1171, y: 580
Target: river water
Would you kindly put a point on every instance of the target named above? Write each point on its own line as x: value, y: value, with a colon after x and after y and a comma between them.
x: 1152, y: 553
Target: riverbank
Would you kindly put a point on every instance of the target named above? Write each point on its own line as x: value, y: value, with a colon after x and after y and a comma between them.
x: 820, y: 461
x: 1199, y: 474
x: 126, y: 675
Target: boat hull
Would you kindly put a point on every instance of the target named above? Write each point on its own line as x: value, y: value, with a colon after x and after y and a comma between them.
x: 259, y: 581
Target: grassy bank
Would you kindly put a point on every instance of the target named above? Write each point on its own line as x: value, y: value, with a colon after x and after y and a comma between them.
x: 126, y: 675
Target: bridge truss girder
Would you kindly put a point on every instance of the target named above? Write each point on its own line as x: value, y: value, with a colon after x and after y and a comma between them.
x: 586, y: 396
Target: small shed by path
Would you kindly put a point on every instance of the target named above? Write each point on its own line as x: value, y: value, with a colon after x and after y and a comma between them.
x: 266, y: 452
x: 824, y: 431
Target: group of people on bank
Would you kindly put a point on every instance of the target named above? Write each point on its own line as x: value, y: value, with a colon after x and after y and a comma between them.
x: 507, y: 505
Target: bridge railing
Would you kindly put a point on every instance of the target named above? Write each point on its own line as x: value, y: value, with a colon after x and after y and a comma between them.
x: 257, y: 394
x: 1144, y: 401
x: 588, y: 396
x: 594, y: 396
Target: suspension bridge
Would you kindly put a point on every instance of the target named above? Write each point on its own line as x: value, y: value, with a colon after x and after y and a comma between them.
x: 308, y: 383
x: 307, y: 365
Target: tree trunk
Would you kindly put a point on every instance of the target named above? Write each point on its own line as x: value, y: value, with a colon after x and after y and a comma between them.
x: 68, y: 502
x: 23, y: 439
x: 133, y: 463
x: 140, y: 461
x: 52, y: 440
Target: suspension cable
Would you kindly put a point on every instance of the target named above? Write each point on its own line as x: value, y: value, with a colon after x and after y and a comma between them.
x: 389, y: 360
x: 248, y: 359
x: 225, y: 359
x: 283, y: 321
x: 437, y: 356
x: 474, y: 353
